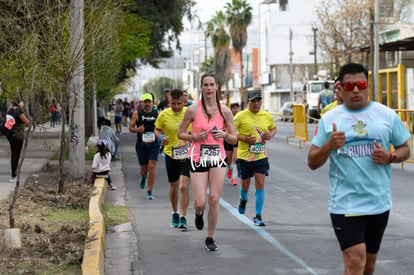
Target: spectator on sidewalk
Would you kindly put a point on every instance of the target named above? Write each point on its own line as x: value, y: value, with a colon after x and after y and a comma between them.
x: 100, y: 113
x: 119, y: 108
x: 53, y: 113
x: 101, y: 165
x: 108, y: 134
x: 16, y: 135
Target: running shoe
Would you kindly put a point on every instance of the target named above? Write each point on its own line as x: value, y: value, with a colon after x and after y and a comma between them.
x: 233, y: 181
x: 183, y: 223
x: 175, y: 221
x: 149, y: 195
x: 13, y: 179
x: 210, y: 245
x: 142, y: 182
x: 199, y: 221
x: 230, y: 172
x: 242, y: 206
x: 258, y: 220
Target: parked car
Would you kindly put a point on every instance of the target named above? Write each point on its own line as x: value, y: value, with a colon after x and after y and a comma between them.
x: 286, y: 111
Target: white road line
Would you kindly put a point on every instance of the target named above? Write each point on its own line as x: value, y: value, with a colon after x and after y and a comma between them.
x: 263, y: 233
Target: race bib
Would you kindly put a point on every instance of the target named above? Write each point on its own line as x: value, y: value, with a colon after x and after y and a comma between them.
x: 210, y: 153
x: 179, y: 152
x: 257, y: 148
x: 148, y: 137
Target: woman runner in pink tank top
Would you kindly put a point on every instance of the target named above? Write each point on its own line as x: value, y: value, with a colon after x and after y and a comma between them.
x: 206, y: 155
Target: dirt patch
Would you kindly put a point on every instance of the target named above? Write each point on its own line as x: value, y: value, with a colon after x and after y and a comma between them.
x: 53, y: 227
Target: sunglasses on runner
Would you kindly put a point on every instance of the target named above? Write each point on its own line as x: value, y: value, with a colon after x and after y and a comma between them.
x: 350, y: 86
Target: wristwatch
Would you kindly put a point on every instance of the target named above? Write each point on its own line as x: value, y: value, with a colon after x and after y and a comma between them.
x: 393, y: 157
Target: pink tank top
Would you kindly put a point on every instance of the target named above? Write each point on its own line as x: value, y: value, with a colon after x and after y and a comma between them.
x: 210, y: 150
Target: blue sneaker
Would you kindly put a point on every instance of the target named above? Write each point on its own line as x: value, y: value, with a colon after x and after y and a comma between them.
x: 175, y: 221
x: 149, y: 195
x: 258, y: 220
x: 242, y: 206
x: 142, y: 182
x: 183, y: 223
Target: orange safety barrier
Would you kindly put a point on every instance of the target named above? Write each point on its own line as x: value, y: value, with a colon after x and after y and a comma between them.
x: 407, y: 117
x: 300, y: 124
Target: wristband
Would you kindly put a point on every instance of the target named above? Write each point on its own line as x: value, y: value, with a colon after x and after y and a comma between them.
x: 160, y: 138
x: 393, y: 157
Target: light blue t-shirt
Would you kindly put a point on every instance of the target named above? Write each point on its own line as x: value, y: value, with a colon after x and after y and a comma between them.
x: 356, y: 184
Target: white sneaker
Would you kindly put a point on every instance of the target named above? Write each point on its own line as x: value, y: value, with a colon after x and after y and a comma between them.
x: 13, y: 179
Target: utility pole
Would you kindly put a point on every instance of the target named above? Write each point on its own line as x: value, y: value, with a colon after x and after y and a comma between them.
x: 371, y: 51
x: 376, y: 52
x: 291, y: 65
x: 314, y: 51
x: 76, y: 89
x: 94, y: 103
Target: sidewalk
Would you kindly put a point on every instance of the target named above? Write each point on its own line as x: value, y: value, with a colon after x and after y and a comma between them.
x: 42, y: 146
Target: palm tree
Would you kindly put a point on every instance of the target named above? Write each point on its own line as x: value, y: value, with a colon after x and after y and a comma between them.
x: 208, y: 66
x: 216, y: 30
x: 239, y: 17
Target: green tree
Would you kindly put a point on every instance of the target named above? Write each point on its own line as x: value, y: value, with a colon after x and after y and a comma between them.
x: 157, y: 86
x: 216, y: 31
x: 208, y: 66
x: 167, y: 18
x: 239, y: 17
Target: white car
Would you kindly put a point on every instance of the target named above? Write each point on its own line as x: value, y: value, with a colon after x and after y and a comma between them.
x: 286, y: 111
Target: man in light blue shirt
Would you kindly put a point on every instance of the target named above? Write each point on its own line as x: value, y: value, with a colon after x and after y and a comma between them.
x: 356, y: 137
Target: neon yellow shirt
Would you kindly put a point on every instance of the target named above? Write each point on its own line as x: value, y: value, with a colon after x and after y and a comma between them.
x: 329, y: 107
x: 246, y: 124
x: 169, y: 121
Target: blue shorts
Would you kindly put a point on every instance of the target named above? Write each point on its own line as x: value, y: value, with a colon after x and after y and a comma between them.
x: 118, y: 119
x: 147, y: 151
x: 247, y: 169
x: 176, y: 167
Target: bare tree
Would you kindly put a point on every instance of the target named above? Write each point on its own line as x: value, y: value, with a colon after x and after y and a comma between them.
x: 344, y: 25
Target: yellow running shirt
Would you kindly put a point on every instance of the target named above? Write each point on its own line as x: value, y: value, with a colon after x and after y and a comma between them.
x: 169, y: 121
x: 248, y: 123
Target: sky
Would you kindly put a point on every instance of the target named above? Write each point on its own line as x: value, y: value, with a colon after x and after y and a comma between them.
x: 206, y: 9
x: 192, y: 38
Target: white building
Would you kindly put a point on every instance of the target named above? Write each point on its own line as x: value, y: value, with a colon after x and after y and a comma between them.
x: 286, y: 27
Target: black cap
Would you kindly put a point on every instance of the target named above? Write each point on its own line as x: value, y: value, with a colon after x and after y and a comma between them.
x: 253, y: 95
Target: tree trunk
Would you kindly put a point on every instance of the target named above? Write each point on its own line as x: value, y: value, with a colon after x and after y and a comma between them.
x: 19, y: 168
x: 62, y: 153
x: 242, y: 95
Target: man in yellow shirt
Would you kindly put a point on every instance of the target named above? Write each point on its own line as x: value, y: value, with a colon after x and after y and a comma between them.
x: 177, y: 165
x: 254, y: 127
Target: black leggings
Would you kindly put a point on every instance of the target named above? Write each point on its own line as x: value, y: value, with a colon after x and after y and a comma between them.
x: 16, y: 145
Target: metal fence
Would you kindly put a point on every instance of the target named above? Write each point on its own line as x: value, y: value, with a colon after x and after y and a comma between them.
x: 407, y: 117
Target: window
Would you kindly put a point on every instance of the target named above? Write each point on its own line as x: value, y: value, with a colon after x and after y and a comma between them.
x: 283, y: 5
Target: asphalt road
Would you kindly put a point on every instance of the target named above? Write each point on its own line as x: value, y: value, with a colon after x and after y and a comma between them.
x: 298, y: 238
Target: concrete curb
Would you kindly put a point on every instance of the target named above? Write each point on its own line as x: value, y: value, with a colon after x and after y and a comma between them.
x: 93, y: 255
